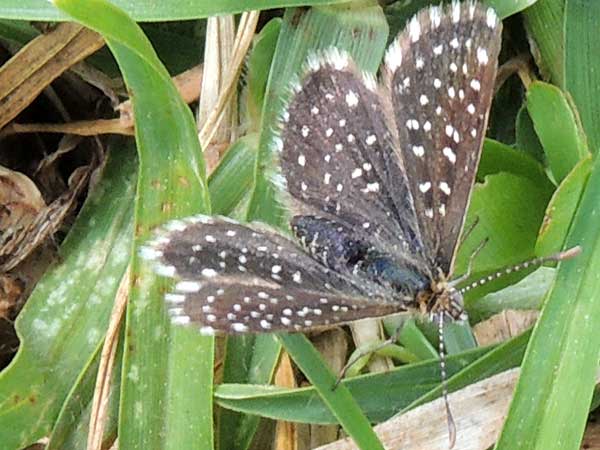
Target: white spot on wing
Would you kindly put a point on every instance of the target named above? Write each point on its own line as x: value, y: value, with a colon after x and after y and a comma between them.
x: 393, y: 57
x: 208, y: 272
x: 351, y: 98
x: 149, y: 253
x: 180, y: 320
x: 445, y: 188
x: 448, y: 153
x: 239, y: 327
x: 455, y: 11
x: 418, y: 150
x: 435, y: 16
x: 414, y: 29
x: 371, y: 187
x: 482, y: 56
x: 165, y: 271
x: 188, y: 286
x: 490, y: 18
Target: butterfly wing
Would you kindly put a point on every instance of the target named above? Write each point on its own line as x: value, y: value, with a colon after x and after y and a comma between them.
x: 236, y: 278
x: 338, y: 159
x: 440, y: 72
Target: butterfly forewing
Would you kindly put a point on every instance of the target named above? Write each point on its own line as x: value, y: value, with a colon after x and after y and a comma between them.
x: 236, y: 278
x: 440, y: 72
x: 338, y: 158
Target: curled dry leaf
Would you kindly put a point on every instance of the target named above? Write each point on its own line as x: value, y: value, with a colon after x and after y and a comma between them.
x: 22, y: 241
x: 20, y: 202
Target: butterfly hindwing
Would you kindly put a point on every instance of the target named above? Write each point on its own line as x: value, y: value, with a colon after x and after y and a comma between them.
x: 239, y: 278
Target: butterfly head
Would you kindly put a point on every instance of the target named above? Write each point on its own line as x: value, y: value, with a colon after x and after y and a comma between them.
x: 442, y: 302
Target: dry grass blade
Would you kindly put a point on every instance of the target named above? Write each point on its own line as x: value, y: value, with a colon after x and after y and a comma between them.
x: 187, y: 83
x: 99, y: 412
x: 245, y: 34
x: 503, y: 326
x: 219, y: 47
x: 286, y: 433
x: 39, y: 63
x: 479, y: 411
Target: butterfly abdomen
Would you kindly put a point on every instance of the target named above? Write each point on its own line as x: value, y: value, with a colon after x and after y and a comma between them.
x: 338, y: 247
x: 384, y: 270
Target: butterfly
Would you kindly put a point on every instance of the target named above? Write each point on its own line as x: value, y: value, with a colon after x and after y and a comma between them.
x: 377, y: 176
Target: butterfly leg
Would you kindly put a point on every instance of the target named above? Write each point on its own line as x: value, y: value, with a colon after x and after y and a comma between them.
x: 467, y: 232
x: 367, y: 351
x: 476, y: 252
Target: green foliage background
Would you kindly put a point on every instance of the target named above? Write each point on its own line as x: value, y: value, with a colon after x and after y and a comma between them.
x: 538, y: 191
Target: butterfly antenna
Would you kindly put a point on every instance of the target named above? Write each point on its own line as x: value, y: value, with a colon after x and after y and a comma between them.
x: 555, y: 257
x: 444, y: 376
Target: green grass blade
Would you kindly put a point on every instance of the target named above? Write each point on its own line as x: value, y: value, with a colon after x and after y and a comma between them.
x: 339, y: 401
x: 380, y: 395
x: 505, y: 356
x: 544, y: 24
x: 512, y: 236
x: 65, y: 317
x: 155, y: 412
x: 497, y: 157
x: 141, y: 10
x: 233, y: 178
x: 71, y: 429
x: 526, y: 137
x: 561, y: 209
x: 250, y: 360
x: 528, y: 293
x: 558, y: 373
x: 556, y: 126
x: 582, y: 65
x: 258, y: 67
